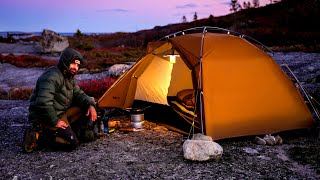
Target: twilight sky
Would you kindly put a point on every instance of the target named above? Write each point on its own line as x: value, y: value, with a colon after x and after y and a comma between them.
x: 104, y: 15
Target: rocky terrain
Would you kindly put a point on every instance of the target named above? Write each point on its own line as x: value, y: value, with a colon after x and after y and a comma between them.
x: 12, y: 76
x: 156, y: 153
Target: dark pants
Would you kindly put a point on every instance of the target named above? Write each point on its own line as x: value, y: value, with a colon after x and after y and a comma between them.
x: 65, y: 139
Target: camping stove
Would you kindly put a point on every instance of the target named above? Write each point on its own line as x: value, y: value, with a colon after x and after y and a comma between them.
x: 137, y: 117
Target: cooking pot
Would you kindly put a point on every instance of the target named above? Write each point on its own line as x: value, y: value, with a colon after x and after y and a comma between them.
x: 137, y: 117
x: 137, y: 124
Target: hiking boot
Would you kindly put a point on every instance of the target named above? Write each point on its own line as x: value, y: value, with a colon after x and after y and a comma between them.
x: 30, y: 139
x: 86, y: 135
x: 89, y: 135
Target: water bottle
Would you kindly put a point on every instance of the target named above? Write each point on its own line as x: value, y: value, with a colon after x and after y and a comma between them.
x: 105, y: 124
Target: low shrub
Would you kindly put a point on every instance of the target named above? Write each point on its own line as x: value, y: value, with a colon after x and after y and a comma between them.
x: 87, y: 46
x: 296, y: 48
x: 101, y: 58
x: 27, y: 61
x: 96, y: 88
x: 21, y: 93
x: 3, y: 94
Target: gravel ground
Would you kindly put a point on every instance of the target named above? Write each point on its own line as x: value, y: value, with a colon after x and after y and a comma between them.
x: 155, y: 153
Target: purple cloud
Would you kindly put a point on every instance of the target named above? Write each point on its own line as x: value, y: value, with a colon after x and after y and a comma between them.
x: 186, y: 6
x: 114, y: 10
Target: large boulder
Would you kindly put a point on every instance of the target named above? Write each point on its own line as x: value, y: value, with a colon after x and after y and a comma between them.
x: 118, y: 69
x: 52, y: 42
x: 201, y: 148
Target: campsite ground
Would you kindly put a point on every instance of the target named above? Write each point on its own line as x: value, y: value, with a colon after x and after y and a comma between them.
x: 157, y: 153
x: 153, y: 154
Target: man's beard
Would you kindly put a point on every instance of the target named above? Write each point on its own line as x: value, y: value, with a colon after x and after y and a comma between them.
x: 73, y: 71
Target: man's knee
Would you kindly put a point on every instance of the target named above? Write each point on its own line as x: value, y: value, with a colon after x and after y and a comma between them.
x: 73, y: 114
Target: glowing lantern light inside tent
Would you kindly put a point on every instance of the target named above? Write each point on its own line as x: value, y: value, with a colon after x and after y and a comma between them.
x: 172, y: 57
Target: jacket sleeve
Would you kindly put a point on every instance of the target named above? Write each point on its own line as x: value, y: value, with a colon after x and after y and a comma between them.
x: 81, y: 98
x: 45, y: 99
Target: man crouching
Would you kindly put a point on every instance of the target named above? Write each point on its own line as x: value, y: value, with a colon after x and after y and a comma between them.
x: 56, y: 104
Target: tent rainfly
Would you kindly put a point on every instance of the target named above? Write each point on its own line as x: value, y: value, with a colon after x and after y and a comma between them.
x: 238, y: 88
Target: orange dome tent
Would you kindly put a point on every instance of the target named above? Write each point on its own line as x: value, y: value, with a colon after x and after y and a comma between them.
x: 240, y: 90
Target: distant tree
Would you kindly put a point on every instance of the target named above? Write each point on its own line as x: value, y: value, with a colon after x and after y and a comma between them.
x: 10, y: 38
x: 195, y: 16
x: 184, y: 19
x: 246, y: 5
x: 274, y: 1
x: 235, y: 6
x: 211, y: 21
x: 255, y: 3
x: 78, y: 33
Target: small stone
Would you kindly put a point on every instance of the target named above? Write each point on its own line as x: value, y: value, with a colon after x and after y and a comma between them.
x: 201, y: 150
x: 259, y: 141
x: 279, y: 140
x: 202, y: 137
x: 270, y: 140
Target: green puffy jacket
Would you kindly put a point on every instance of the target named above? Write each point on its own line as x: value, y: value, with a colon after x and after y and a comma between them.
x: 56, y: 91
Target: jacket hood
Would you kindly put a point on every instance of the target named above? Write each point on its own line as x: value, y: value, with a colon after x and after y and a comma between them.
x: 67, y: 56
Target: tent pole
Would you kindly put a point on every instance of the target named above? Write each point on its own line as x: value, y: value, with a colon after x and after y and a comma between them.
x: 200, y: 82
x: 305, y: 92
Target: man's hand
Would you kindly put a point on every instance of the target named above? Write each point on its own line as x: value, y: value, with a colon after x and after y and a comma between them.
x: 93, y: 113
x: 61, y: 124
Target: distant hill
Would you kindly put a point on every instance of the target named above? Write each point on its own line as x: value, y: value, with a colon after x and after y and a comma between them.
x: 291, y: 25
x: 286, y: 23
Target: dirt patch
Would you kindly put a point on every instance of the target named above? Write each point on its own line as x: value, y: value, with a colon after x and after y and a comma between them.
x: 152, y: 154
